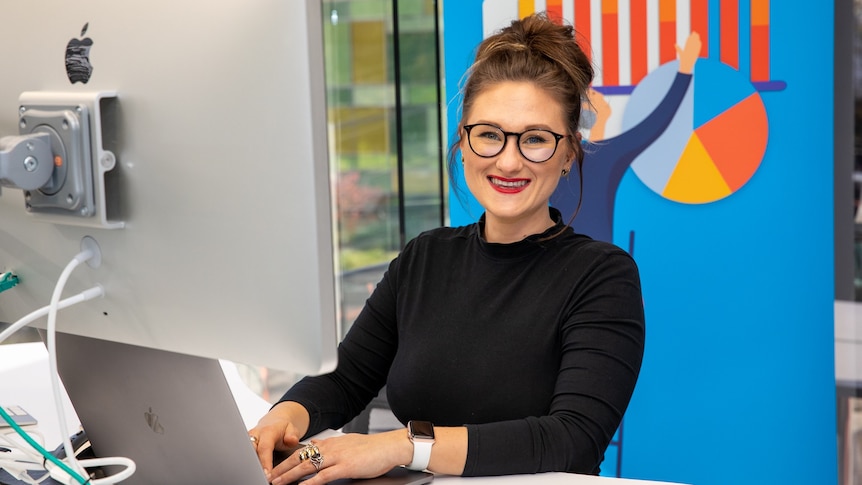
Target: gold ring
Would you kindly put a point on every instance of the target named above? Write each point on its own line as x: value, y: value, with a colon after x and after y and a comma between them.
x: 308, y: 452
x: 253, y: 439
x: 312, y: 453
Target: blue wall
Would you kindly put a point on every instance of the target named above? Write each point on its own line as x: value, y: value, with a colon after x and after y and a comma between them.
x: 738, y: 379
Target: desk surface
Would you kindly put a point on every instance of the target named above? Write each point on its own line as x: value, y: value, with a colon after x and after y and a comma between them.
x: 24, y: 380
x: 543, y: 479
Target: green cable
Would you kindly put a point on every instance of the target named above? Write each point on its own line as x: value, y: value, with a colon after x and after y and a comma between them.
x: 7, y: 280
x: 45, y: 453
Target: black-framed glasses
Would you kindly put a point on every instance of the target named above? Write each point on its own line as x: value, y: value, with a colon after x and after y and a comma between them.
x: 535, y: 145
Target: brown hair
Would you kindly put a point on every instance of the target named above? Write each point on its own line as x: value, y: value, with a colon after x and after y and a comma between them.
x: 537, y: 50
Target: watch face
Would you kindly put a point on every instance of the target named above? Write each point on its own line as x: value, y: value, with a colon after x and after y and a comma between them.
x: 421, y: 429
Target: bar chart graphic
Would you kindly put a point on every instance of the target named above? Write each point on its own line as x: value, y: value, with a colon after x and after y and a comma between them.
x: 627, y: 39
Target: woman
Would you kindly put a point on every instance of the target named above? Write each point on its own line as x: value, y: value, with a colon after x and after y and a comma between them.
x: 520, y: 340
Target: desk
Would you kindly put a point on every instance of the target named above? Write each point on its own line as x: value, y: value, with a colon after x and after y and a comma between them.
x: 25, y: 381
x: 543, y: 479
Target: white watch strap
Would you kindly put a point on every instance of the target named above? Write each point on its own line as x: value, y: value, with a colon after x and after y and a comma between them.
x: 421, y: 455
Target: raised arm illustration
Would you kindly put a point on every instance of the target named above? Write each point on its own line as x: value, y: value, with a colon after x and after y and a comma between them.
x: 607, y: 160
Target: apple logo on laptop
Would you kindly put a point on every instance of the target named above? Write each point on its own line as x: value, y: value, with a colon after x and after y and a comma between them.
x: 78, y: 66
x: 153, y: 421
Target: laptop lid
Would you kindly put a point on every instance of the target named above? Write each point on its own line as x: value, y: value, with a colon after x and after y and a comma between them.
x: 173, y: 414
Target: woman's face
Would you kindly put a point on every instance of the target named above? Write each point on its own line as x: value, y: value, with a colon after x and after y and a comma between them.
x: 513, y: 190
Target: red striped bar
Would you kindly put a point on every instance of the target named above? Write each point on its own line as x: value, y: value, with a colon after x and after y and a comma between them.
x: 700, y: 23
x: 638, y: 30
x: 760, y: 40
x: 729, y: 32
x: 610, y: 43
x: 583, y: 26
x: 667, y: 30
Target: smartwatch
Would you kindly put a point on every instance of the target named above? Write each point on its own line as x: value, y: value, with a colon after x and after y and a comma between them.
x: 421, y: 433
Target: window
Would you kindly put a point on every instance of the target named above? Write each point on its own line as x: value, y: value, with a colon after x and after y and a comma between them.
x: 383, y: 85
x: 385, y: 138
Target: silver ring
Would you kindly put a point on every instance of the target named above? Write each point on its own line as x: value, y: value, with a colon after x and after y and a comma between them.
x: 312, y: 453
x: 317, y: 461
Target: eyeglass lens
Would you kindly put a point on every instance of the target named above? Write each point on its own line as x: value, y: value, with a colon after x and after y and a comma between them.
x: 535, y: 145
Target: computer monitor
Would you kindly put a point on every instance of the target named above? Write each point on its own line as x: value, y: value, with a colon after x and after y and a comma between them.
x: 212, y: 206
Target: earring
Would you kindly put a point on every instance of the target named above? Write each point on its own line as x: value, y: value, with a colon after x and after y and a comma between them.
x: 462, y: 160
x: 565, y: 172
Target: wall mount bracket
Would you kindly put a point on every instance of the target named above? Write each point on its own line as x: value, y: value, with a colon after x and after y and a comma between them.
x: 75, y: 194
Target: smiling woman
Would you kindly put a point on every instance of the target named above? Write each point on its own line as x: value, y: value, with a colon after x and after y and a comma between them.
x: 520, y: 340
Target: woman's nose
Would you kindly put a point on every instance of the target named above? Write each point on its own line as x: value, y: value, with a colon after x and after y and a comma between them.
x: 510, y: 159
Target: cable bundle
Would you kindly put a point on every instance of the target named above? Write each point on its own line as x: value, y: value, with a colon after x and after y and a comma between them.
x: 19, y: 459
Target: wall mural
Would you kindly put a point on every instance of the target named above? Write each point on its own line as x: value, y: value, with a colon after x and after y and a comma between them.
x: 705, y: 163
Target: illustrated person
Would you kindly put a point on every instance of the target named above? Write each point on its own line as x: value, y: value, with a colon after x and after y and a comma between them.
x: 607, y: 159
x: 517, y: 340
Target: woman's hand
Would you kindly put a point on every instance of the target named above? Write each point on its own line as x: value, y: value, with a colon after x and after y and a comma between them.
x: 279, y: 429
x: 689, y: 53
x: 599, y: 104
x: 346, y: 456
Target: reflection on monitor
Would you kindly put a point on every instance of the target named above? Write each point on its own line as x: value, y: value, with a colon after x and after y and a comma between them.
x: 204, y: 182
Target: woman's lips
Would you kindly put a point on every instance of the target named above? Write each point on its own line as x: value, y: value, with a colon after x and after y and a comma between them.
x: 508, y: 186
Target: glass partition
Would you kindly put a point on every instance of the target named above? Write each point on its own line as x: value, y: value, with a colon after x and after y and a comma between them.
x: 383, y: 80
x: 382, y: 75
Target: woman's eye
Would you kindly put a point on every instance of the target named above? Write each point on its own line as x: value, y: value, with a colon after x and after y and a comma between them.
x: 490, y: 135
x: 534, y: 139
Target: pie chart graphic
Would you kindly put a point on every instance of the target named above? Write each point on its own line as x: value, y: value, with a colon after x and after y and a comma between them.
x: 716, y: 140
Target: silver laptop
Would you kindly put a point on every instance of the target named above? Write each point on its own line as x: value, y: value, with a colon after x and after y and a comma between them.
x: 173, y: 414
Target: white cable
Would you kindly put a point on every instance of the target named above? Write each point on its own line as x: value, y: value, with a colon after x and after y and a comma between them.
x: 20, y: 472
x: 52, y: 354
x: 21, y: 459
x: 17, y: 455
x: 19, y: 464
x: 56, y: 472
x: 33, y: 316
x: 18, y: 445
x: 61, y: 476
x: 117, y: 460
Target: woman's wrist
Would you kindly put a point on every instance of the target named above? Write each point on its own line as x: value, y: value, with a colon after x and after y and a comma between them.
x: 448, y: 455
x: 402, y: 448
x: 295, y: 414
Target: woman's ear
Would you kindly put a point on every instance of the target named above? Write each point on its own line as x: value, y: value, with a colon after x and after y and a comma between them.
x: 574, y: 148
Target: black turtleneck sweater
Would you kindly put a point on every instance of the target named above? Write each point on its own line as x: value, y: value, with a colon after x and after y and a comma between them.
x: 535, y: 346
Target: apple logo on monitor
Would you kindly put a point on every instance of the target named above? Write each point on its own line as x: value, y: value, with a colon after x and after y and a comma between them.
x: 153, y: 421
x: 78, y: 66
